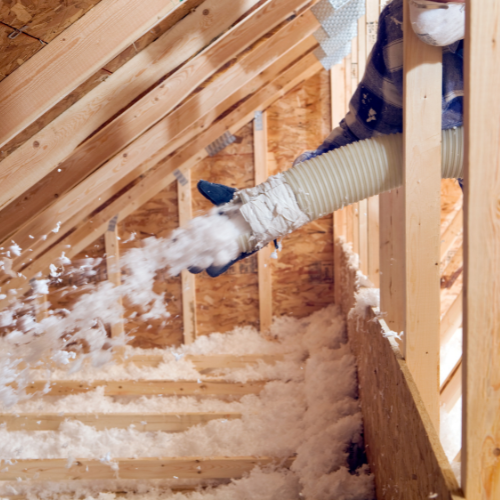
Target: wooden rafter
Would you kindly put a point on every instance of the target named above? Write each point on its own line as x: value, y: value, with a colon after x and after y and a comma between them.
x: 103, y: 184
x: 72, y: 57
x: 161, y: 100
x: 175, y: 126
x: 59, y: 139
x: 162, y: 176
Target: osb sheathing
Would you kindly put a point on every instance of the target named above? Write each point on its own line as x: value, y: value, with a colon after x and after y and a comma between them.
x: 303, y: 273
x: 233, y: 298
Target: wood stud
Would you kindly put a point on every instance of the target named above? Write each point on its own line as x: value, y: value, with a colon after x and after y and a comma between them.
x: 264, y: 255
x: 184, y: 195
x: 481, y: 348
x: 422, y: 74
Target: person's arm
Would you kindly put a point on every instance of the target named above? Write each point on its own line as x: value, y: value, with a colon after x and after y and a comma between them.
x: 376, y: 106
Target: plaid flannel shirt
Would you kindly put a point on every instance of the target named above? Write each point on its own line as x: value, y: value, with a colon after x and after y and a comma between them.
x: 377, y: 105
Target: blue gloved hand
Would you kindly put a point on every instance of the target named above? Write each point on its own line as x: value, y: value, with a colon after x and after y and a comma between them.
x: 218, y: 194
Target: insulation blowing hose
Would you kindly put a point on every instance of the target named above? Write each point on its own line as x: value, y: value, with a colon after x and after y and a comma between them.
x: 329, y: 182
x: 362, y: 169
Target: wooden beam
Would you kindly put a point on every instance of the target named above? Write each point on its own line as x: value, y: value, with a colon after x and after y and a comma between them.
x: 337, y: 113
x: 162, y: 99
x: 392, y: 303
x: 72, y: 57
x: 264, y: 255
x: 57, y: 469
x: 451, y: 233
x: 60, y: 138
x: 167, y: 130
x: 148, y: 387
x: 188, y: 279
x: 422, y: 73
x: 40, y: 304
x: 373, y: 229
x: 481, y: 351
x: 451, y: 390
x: 112, y: 248
x: 353, y: 209
x: 121, y: 174
x: 451, y: 320
x: 143, y: 422
x: 156, y: 180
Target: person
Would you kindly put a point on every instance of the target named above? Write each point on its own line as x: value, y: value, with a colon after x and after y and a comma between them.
x: 285, y: 202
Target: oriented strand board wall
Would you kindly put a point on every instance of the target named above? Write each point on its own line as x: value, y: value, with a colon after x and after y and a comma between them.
x: 303, y: 275
x: 158, y: 217
x: 233, y: 298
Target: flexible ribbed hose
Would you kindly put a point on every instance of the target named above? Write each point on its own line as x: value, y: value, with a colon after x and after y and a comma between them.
x: 360, y: 170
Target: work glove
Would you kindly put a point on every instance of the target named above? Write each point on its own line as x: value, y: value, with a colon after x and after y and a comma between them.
x: 219, y: 195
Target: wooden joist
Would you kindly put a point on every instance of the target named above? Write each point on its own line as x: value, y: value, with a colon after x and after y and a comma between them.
x: 148, y: 387
x: 144, y: 422
x: 72, y: 57
x: 156, y: 180
x: 135, y: 468
x: 61, y: 137
x: 94, y: 190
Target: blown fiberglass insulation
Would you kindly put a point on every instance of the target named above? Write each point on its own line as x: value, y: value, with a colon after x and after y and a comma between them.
x: 310, y: 409
x: 206, y: 240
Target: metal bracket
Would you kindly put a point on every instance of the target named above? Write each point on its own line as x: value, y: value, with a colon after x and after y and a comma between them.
x: 219, y: 144
x: 16, y: 33
x: 180, y: 177
x: 112, y: 223
x: 258, y: 120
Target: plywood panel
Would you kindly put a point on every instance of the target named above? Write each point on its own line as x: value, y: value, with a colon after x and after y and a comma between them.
x: 13, y: 53
x: 44, y: 19
x: 303, y: 273
x: 402, y: 446
x: 158, y: 217
x: 232, y: 299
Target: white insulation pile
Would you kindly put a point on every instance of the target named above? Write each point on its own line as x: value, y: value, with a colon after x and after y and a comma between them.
x: 310, y: 409
x: 207, y: 240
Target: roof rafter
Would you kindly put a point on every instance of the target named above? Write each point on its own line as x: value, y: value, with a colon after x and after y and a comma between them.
x: 59, y: 139
x: 72, y: 57
x: 161, y: 176
x: 155, y: 104
x: 78, y: 202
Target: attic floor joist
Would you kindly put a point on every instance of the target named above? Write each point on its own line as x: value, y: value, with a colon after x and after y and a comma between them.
x: 17, y: 174
x: 136, y: 468
x: 143, y: 422
x: 163, y: 175
x: 71, y: 58
x: 148, y: 387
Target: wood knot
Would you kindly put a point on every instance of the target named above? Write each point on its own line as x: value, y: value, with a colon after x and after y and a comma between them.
x: 36, y: 144
x: 206, y: 12
x: 496, y: 452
